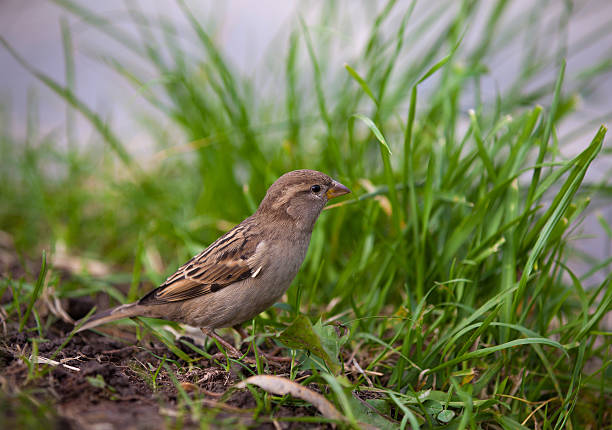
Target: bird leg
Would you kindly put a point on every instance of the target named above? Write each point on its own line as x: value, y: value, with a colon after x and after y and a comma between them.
x: 272, y: 357
x: 241, y: 331
x: 234, y: 353
x: 229, y: 348
x: 276, y: 359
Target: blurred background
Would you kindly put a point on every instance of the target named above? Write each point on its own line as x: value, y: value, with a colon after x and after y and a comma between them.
x: 528, y: 41
x: 250, y: 35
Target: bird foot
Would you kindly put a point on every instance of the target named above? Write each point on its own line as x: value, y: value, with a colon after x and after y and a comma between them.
x: 232, y: 352
x: 235, y: 353
x: 277, y: 359
x: 273, y: 356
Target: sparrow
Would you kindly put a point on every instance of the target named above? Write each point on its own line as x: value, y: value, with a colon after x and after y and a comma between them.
x: 246, y: 270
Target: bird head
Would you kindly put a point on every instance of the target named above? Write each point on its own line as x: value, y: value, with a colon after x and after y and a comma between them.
x: 300, y: 196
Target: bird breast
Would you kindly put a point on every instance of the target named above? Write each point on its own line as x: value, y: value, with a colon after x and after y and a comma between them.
x: 243, y: 300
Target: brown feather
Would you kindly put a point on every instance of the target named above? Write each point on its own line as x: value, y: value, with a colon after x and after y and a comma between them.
x: 231, y: 258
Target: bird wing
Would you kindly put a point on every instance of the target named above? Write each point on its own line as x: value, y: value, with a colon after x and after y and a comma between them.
x: 235, y: 256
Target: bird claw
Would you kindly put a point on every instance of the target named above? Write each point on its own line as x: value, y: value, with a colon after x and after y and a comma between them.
x: 276, y: 359
x: 236, y: 354
x: 232, y: 352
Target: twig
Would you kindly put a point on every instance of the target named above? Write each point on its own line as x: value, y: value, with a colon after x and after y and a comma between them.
x: 360, y: 370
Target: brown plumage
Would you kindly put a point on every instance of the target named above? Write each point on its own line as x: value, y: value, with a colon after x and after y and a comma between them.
x: 248, y: 268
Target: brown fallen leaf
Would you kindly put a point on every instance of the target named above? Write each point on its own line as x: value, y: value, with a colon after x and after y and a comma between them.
x: 281, y: 386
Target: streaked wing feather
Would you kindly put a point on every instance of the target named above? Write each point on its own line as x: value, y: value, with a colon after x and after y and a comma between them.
x: 231, y: 258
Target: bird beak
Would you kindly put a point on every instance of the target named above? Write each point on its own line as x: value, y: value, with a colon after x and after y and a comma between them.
x: 336, y: 189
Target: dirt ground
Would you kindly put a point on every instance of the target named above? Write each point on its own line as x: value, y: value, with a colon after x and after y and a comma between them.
x: 106, y: 382
x: 126, y: 399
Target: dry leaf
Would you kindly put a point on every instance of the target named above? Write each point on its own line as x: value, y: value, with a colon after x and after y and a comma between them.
x: 281, y: 386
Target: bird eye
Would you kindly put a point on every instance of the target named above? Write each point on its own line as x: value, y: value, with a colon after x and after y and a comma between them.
x: 315, y: 188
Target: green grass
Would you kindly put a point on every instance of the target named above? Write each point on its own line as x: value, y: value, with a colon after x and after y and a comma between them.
x: 451, y: 263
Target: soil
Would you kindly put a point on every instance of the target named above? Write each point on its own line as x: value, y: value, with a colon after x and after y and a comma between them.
x: 106, y: 381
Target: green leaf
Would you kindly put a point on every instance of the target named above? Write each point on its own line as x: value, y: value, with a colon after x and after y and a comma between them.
x: 510, y: 424
x: 445, y: 416
x: 552, y: 216
x: 361, y: 81
x: 301, y: 335
x: 371, y: 413
x: 433, y: 407
x: 37, y: 290
x: 329, y: 338
x: 374, y: 130
x: 433, y: 69
x: 489, y: 350
x: 97, y: 381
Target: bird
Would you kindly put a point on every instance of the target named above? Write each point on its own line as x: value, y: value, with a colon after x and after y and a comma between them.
x: 246, y: 270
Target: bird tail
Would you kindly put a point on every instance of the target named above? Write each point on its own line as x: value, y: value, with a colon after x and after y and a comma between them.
x: 122, y: 311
